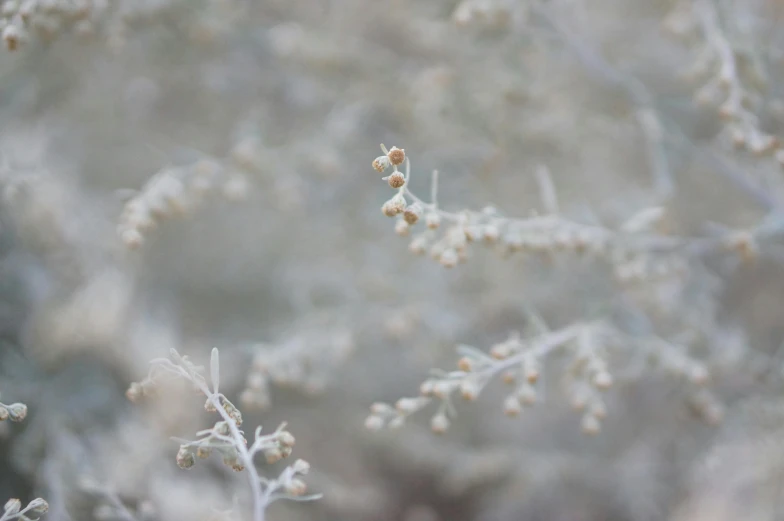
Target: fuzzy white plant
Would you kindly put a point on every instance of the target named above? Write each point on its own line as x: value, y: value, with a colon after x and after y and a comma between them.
x: 34, y: 510
x: 226, y: 438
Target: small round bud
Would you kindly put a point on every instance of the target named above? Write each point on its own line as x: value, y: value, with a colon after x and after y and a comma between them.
x: 491, y: 233
x: 38, y: 506
x: 12, y: 37
x: 12, y: 506
x: 509, y: 376
x: 380, y: 163
x: 439, y: 423
x: 512, y: 406
x: 394, y: 206
x: 132, y: 238
x: 579, y: 401
x: 402, y: 228
x: 432, y: 220
x: 418, y: 246
x: 396, y: 180
x: 3, y: 414
x: 408, y: 405
x: 273, y: 455
x: 465, y: 364
x: 590, y: 424
x: 470, y: 389
x: 135, y: 392
x: 203, y: 452
x: 185, y: 458
x: 427, y: 388
x: 222, y: 427
x: 599, y: 410
x: 296, y: 487
x: 233, y: 412
x: 603, y: 380
x: 500, y: 351
x: 381, y: 408
x: 413, y: 213
x: 374, y: 423
x: 448, y: 258
x: 286, y: 439
x: 17, y: 412
x: 396, y: 156
x: 526, y: 394
x: 301, y: 466
x: 531, y: 370
x: 443, y: 388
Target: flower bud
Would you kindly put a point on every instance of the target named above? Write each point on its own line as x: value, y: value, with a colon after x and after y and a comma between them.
x: 512, y: 406
x: 396, y: 156
x: 273, y: 455
x: 448, y: 258
x: 603, y: 380
x: 439, y: 423
x: 286, y: 439
x: 301, y: 466
x: 17, y: 412
x: 12, y: 506
x: 402, y: 228
x: 380, y: 163
x: 413, y: 213
x: 394, y: 206
x: 134, y: 392
x: 396, y: 179
x: 296, y: 487
x: 374, y: 423
x: 38, y: 506
x: 185, y: 458
x: 203, y: 452
x: 432, y: 220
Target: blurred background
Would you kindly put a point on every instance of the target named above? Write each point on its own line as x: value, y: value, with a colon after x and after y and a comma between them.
x: 196, y: 173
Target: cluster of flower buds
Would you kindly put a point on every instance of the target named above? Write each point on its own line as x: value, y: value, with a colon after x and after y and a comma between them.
x: 46, y: 19
x: 275, y: 446
x: 447, y: 236
x: 15, y: 412
x: 228, y: 407
x: 518, y: 361
x: 33, y: 511
x: 305, y: 362
x: 174, y: 192
x: 731, y: 81
x: 227, y: 439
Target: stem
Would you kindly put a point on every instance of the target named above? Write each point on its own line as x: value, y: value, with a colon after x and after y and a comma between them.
x: 259, y: 500
x: 544, y: 344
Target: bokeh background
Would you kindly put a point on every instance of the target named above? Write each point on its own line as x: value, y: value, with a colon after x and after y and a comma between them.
x: 286, y: 254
